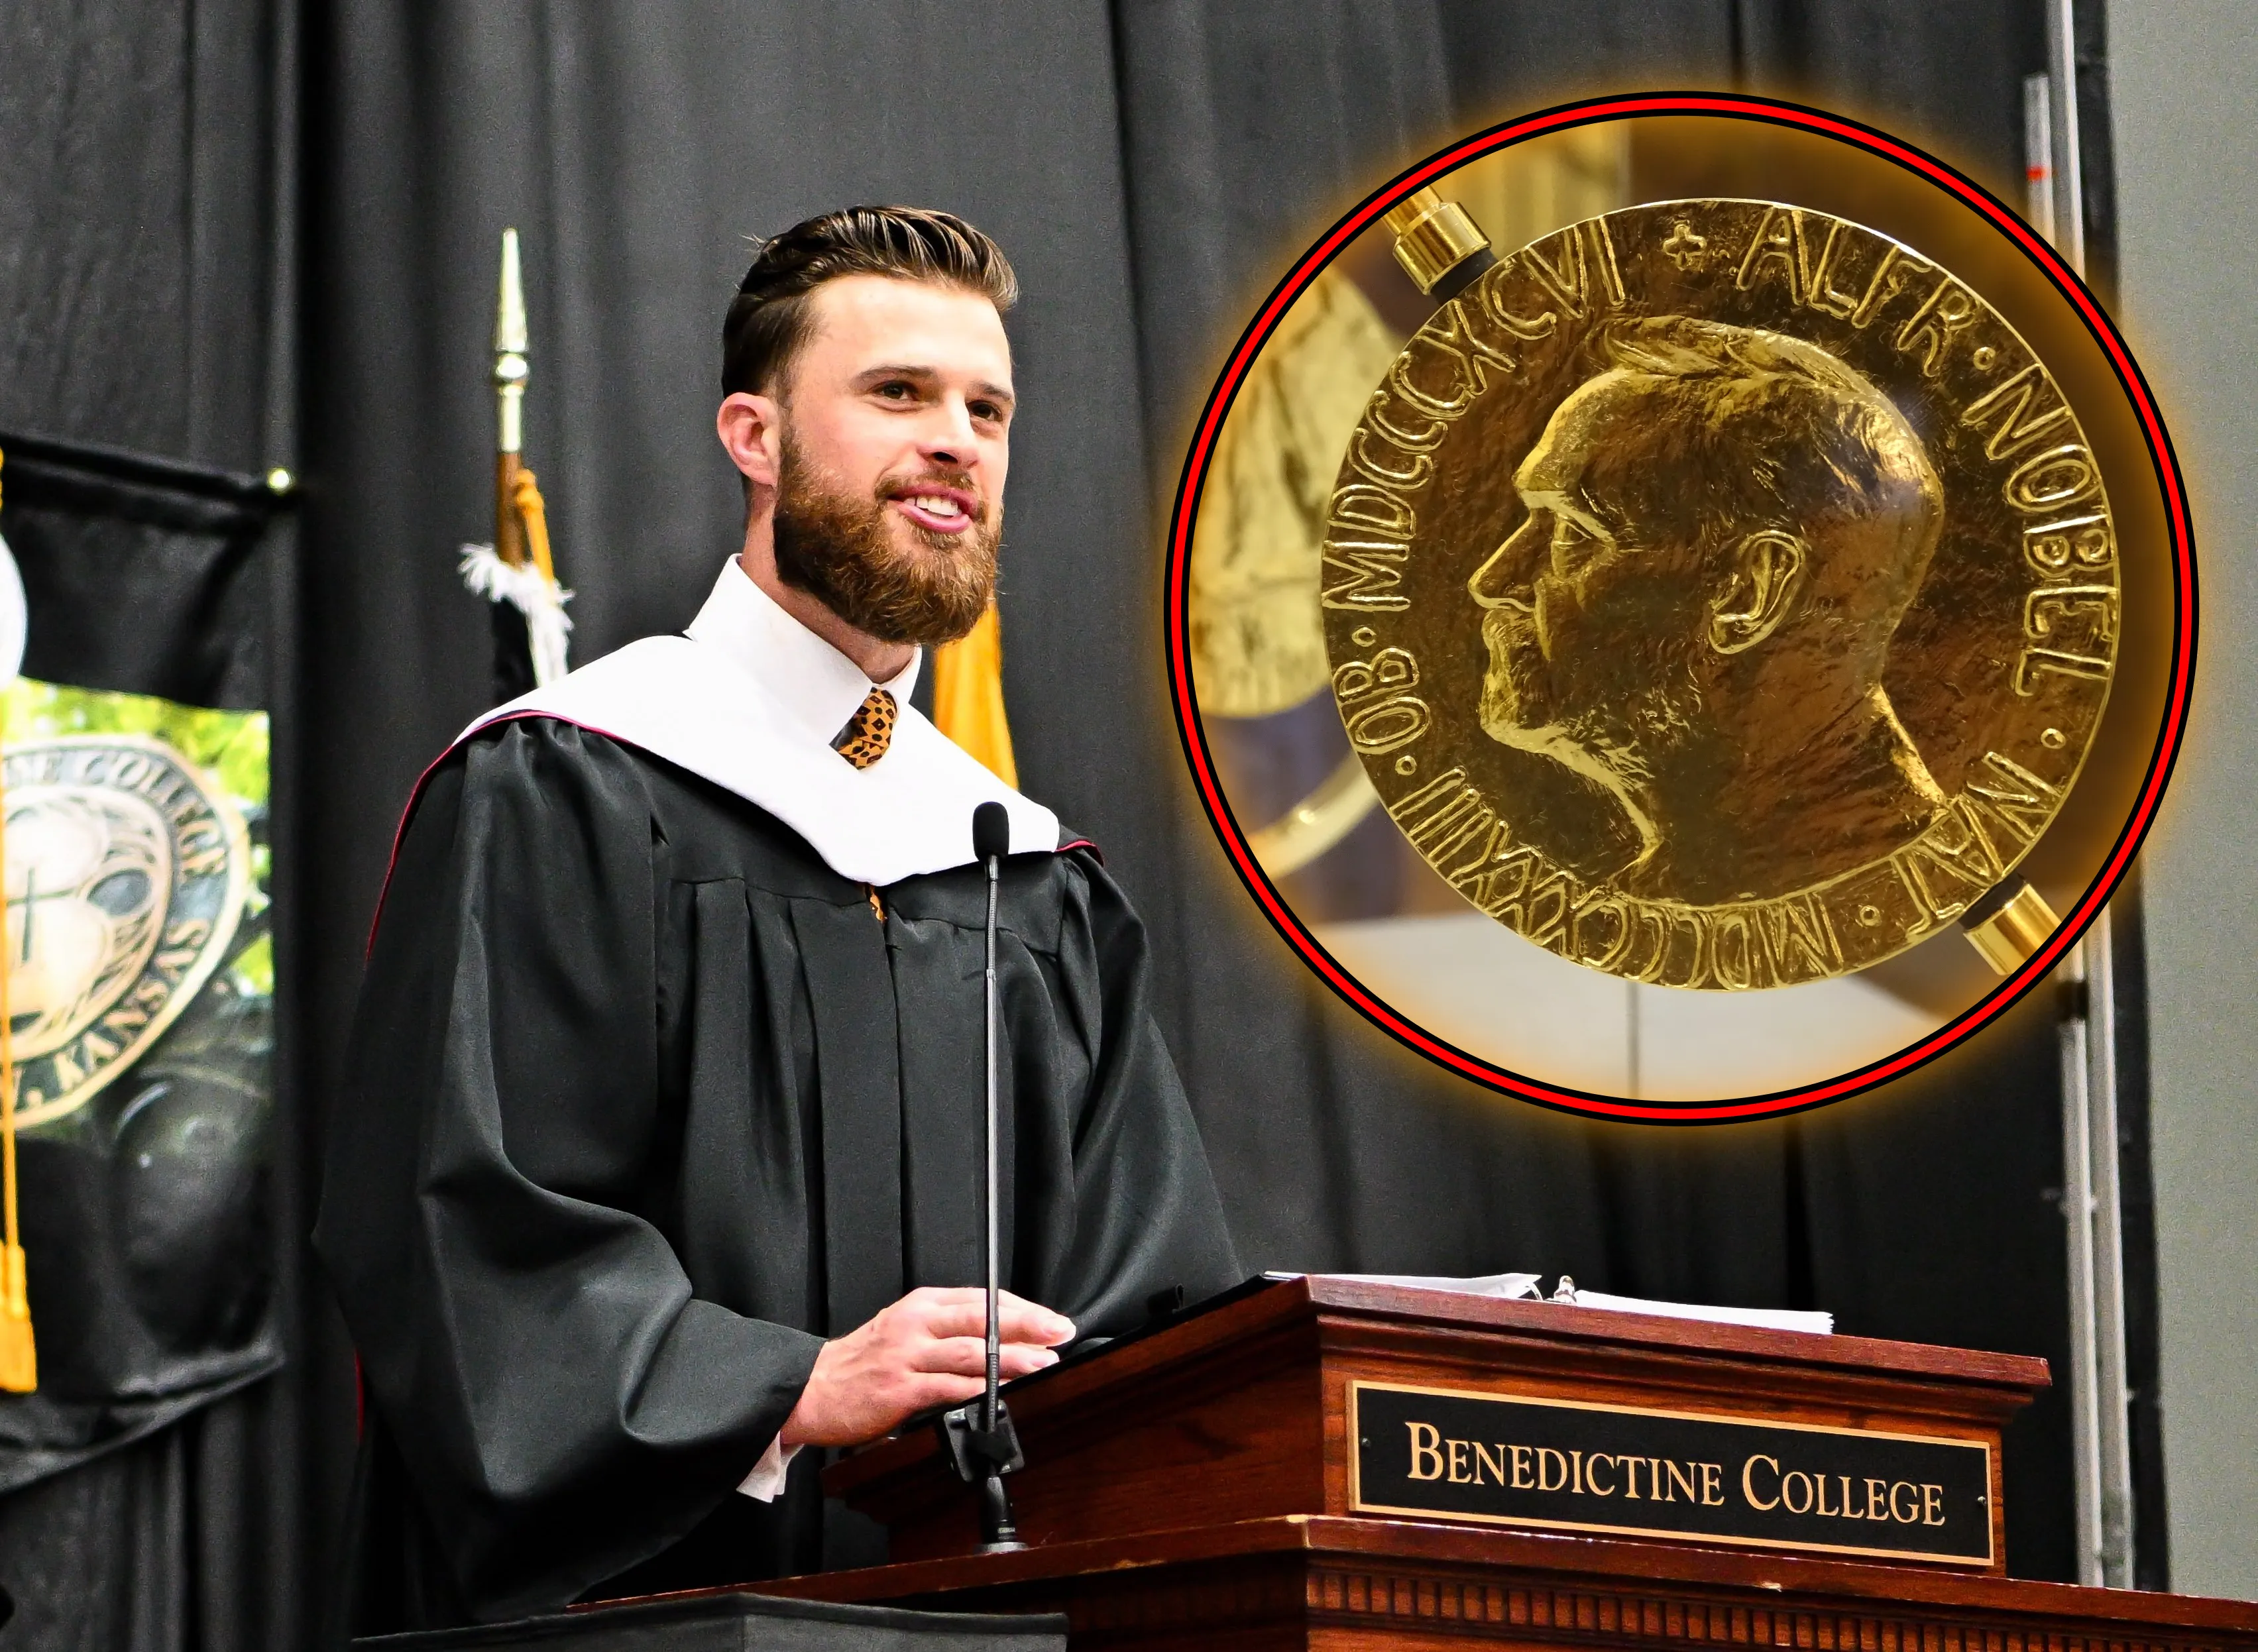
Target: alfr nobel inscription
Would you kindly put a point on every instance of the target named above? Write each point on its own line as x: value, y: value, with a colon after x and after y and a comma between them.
x: 1509, y: 1460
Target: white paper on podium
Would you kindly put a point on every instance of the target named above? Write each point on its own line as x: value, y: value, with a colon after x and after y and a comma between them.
x: 1816, y: 1324
x: 1525, y: 1286
x: 1513, y: 1287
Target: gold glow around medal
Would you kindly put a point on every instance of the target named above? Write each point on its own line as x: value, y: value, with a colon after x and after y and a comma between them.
x: 1720, y: 594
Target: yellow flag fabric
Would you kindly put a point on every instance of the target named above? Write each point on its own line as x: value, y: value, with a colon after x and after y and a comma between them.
x: 967, y: 695
x: 19, y: 1360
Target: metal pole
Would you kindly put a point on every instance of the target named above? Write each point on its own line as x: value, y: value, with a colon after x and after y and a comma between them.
x: 2038, y: 152
x: 988, y: 1399
x: 2112, y: 1388
x: 2078, y: 1209
x: 2068, y: 170
x: 2092, y: 1201
x: 509, y: 376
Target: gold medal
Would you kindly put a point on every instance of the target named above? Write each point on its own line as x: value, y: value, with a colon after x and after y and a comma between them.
x: 1720, y: 594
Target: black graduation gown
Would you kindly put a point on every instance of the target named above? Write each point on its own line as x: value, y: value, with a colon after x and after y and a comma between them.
x: 644, y: 1099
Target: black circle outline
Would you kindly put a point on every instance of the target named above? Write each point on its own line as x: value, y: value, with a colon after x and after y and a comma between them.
x: 2162, y: 759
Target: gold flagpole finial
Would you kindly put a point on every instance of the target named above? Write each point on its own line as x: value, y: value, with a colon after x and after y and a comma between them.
x: 509, y: 308
x: 509, y: 376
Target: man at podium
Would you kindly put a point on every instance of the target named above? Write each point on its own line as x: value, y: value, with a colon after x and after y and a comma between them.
x: 659, y: 1156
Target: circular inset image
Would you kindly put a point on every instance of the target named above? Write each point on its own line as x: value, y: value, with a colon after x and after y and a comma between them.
x: 1754, y: 579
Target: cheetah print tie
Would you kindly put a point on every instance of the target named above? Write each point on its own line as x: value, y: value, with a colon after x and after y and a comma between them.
x: 868, y: 730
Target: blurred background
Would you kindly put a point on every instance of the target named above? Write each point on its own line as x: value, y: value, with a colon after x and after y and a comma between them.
x: 237, y: 235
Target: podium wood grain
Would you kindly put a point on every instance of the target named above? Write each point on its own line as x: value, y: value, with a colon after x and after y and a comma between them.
x: 1363, y: 1585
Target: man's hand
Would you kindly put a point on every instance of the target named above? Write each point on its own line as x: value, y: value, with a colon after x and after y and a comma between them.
x: 929, y: 1348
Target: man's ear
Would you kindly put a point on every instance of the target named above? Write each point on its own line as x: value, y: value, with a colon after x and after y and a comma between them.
x: 1767, y: 577
x: 751, y: 433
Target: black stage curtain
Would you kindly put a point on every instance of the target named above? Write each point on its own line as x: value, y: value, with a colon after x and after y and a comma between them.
x: 1151, y: 165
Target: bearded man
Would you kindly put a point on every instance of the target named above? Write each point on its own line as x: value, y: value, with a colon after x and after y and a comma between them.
x: 659, y: 1158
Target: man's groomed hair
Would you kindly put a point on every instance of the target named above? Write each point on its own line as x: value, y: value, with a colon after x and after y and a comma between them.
x: 770, y: 320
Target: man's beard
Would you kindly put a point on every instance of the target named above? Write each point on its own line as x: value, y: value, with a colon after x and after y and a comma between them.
x: 841, y: 551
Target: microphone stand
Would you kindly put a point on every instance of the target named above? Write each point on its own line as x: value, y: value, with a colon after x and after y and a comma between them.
x: 986, y: 1451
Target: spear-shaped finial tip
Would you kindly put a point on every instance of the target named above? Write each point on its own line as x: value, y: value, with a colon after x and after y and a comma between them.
x: 510, y: 311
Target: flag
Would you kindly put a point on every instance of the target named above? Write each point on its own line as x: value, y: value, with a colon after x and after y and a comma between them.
x: 134, y: 768
x: 967, y: 695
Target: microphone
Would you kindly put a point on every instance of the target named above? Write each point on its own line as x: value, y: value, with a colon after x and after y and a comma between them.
x: 991, y: 842
x: 988, y: 1449
x: 991, y: 837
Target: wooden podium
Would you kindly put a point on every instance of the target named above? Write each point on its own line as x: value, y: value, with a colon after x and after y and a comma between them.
x: 1329, y: 1463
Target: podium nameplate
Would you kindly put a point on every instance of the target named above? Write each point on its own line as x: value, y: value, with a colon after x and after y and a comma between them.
x: 1576, y: 1465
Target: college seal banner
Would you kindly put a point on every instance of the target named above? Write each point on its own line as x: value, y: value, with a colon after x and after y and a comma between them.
x: 141, y: 992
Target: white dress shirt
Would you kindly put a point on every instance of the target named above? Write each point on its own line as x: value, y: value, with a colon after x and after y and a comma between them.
x: 810, y: 681
x: 751, y: 700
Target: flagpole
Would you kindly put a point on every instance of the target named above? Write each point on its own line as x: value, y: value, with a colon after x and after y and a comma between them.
x: 509, y: 376
x: 517, y: 568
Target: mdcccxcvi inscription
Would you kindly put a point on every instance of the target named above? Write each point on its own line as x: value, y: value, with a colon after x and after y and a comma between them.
x: 1506, y: 1459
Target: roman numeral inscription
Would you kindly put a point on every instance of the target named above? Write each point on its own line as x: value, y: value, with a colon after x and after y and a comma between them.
x: 1470, y: 344
x: 1733, y: 948
x: 1369, y: 528
x: 1578, y: 268
x: 1746, y: 944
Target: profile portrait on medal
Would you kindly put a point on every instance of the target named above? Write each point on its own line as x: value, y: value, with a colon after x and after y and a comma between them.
x: 1723, y: 528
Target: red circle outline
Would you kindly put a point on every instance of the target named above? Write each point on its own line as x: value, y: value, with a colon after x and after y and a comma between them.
x: 1776, y: 112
